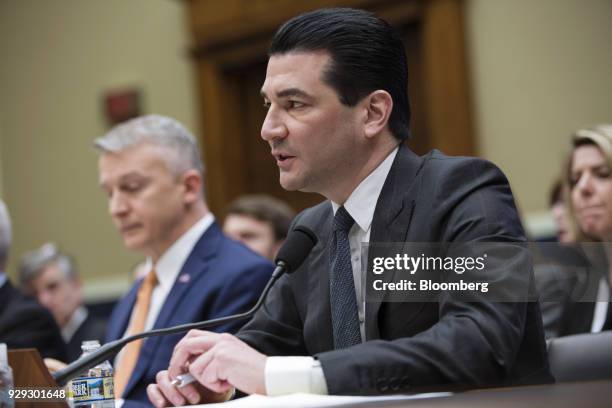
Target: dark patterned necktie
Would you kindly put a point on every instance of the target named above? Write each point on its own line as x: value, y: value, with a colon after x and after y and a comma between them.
x: 344, y: 315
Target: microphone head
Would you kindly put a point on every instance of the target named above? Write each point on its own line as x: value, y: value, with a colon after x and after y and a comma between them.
x: 296, y: 248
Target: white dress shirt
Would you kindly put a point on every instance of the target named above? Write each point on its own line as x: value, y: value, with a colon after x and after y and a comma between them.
x: 601, y: 306
x: 167, y: 270
x: 73, y: 324
x: 285, y: 375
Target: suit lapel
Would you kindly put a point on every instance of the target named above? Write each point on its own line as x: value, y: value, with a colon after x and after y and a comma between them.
x: 118, y: 322
x: 194, y: 268
x: 5, y: 294
x: 392, y: 218
x: 195, y: 265
x: 319, y: 284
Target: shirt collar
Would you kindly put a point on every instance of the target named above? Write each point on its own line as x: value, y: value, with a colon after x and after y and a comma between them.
x: 171, y: 262
x: 76, y: 320
x: 362, y: 201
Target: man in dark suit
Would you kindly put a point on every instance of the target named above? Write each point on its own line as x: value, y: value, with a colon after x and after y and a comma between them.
x: 51, y: 277
x: 335, y: 89
x: 151, y: 171
x: 23, y: 322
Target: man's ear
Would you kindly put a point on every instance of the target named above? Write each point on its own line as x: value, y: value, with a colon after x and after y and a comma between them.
x: 378, y: 107
x: 192, y: 183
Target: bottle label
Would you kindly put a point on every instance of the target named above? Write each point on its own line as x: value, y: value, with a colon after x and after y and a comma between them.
x: 88, y: 389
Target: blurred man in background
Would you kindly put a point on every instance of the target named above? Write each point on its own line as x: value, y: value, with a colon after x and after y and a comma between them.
x: 260, y: 222
x: 51, y: 276
x: 23, y: 322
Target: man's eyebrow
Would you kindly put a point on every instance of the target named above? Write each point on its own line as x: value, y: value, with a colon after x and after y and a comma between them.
x: 288, y: 92
x: 123, y: 178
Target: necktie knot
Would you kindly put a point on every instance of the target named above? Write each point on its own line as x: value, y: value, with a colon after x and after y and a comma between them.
x: 343, y: 220
x: 148, y: 284
x: 151, y: 279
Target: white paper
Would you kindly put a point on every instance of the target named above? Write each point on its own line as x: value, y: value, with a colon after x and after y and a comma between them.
x: 313, y: 400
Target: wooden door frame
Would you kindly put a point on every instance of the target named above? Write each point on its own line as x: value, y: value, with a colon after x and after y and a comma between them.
x: 235, y: 33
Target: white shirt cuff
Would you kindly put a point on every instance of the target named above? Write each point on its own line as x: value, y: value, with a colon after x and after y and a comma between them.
x: 288, y: 375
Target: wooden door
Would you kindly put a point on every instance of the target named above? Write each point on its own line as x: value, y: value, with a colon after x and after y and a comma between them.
x: 231, y: 39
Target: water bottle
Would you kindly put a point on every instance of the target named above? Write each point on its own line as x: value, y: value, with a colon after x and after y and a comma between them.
x: 6, y: 379
x: 94, y: 388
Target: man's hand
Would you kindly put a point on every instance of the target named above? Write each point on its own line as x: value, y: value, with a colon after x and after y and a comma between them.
x: 218, y: 362
x: 54, y: 365
x: 164, y: 394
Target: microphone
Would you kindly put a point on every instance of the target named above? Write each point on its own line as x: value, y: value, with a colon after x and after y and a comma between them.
x: 296, y: 248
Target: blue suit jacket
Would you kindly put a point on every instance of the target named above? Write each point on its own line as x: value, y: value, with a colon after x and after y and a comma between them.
x: 223, y: 278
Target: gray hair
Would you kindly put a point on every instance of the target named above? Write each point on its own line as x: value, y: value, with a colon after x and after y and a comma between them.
x: 5, y: 234
x: 160, y: 131
x: 34, y: 262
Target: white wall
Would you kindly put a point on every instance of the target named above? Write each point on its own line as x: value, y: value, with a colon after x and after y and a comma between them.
x: 1, y: 170
x: 540, y: 69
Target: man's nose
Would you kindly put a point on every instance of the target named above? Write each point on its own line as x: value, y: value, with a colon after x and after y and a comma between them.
x: 273, y: 127
x: 45, y: 299
x: 117, y: 205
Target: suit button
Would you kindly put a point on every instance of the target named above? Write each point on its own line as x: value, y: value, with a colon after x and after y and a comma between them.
x: 382, y: 385
x: 405, y: 383
x: 394, y: 384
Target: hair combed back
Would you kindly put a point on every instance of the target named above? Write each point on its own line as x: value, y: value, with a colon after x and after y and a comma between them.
x: 367, y: 54
x: 34, y: 262
x: 158, y: 130
x: 5, y: 235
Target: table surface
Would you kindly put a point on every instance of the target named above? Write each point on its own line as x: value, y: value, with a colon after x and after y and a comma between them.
x: 592, y: 394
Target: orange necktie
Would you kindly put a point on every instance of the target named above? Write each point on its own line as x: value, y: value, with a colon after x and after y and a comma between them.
x: 127, y: 362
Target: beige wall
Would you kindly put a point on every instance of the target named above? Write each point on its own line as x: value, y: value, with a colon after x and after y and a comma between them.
x: 58, y: 57
x: 540, y: 69
x: 1, y: 170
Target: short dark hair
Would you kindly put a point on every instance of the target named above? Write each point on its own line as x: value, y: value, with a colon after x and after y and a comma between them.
x: 367, y: 54
x: 267, y: 209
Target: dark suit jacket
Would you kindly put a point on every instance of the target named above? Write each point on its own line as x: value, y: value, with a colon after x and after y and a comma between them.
x: 568, y: 286
x: 220, y: 277
x: 24, y: 323
x: 430, y: 199
x: 92, y: 328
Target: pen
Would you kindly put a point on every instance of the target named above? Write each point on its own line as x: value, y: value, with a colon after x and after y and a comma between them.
x: 182, y: 380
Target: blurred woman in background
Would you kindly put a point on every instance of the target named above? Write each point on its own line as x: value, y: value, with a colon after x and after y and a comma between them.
x: 589, y: 181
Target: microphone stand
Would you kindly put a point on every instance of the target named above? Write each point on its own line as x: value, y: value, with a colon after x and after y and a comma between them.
x: 113, y: 347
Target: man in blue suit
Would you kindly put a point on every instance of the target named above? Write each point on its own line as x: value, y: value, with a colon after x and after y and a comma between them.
x: 151, y: 171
